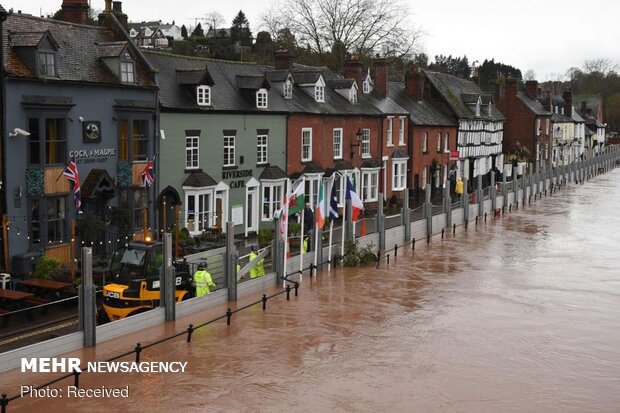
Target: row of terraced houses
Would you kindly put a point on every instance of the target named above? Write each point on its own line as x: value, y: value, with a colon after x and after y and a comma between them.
x: 228, y: 136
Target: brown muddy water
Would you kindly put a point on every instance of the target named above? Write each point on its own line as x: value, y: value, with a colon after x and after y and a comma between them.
x: 519, y: 314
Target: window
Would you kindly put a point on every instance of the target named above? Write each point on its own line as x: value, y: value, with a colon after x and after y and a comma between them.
x: 353, y: 95
x: 365, y: 143
x: 53, y: 150
x: 366, y: 86
x: 439, y: 142
x: 199, y: 216
x: 319, y: 93
x: 191, y: 152
x: 139, y: 205
x: 47, y: 66
x: 261, y: 149
x: 425, y: 143
x: 35, y: 221
x: 401, y: 130
x: 229, y: 150
x: 446, y: 142
x: 123, y: 140
x: 288, y: 89
x: 337, y: 140
x: 203, y: 95
x: 140, y: 140
x: 272, y: 199
x: 306, y: 144
x: 127, y: 72
x: 538, y: 127
x: 55, y: 219
x: 311, y: 189
x: 261, y: 99
x: 370, y: 186
x: 399, y: 175
x: 547, y: 127
x: 424, y: 177
x: 389, y: 132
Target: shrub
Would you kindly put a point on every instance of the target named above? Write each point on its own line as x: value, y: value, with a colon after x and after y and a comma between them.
x: 355, y: 256
x: 265, y: 236
x: 46, y: 267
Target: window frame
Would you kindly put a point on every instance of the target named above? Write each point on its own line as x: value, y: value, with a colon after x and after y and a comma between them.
x: 401, y: 131
x: 274, y: 201
x: 399, y: 174
x: 438, y: 142
x: 229, y: 150
x: 337, y: 153
x: 319, y: 93
x: 369, y: 191
x: 203, y: 95
x: 140, y: 140
x: 390, y: 131
x: 446, y: 142
x: 58, y: 222
x: 127, y: 71
x: 43, y: 63
x: 192, y: 151
x: 365, y: 143
x: 262, y: 149
x: 307, y: 145
x: 262, y: 99
x: 288, y: 89
x: 425, y: 143
x: 204, y: 218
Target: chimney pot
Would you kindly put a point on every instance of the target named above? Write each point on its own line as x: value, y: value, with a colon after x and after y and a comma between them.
x: 353, y: 69
x: 381, y: 76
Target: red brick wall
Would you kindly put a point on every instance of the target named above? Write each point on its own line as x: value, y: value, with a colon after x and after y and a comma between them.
x: 419, y: 159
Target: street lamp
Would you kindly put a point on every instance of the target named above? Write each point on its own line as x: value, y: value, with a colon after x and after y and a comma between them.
x: 358, y: 142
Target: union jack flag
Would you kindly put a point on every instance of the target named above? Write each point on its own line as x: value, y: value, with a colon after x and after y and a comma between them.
x: 148, y: 177
x: 71, y: 173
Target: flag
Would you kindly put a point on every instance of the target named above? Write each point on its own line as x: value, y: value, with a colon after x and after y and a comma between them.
x: 320, y: 208
x: 333, y: 202
x: 356, y: 202
x: 71, y: 173
x: 283, y: 215
x: 148, y: 177
x: 297, y: 200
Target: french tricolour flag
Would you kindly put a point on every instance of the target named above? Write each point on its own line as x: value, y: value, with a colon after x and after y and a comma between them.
x: 356, y: 203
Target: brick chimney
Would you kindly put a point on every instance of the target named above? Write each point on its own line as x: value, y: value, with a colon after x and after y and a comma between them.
x: 117, y: 10
x: 568, y: 103
x: 75, y: 11
x: 381, y: 69
x: 353, y: 69
x: 548, y: 104
x: 511, y: 86
x: 284, y: 60
x: 584, y: 108
x: 414, y: 82
x: 531, y: 87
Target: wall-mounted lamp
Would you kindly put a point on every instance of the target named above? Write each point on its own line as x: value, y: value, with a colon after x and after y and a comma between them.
x: 81, y: 119
x: 358, y: 142
x: 18, y: 131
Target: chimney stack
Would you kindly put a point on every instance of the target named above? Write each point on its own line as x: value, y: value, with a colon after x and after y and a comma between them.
x: 568, y: 103
x: 414, y: 82
x: 117, y: 10
x: 511, y: 86
x: 531, y: 87
x: 584, y: 108
x: 353, y: 69
x: 75, y: 11
x: 284, y: 60
x: 381, y: 68
x: 548, y: 104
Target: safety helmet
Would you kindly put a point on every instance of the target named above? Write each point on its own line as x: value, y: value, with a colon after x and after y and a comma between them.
x: 202, y: 265
x: 253, y: 247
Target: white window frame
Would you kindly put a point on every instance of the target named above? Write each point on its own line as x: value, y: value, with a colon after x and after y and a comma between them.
x: 307, y: 146
x: 424, y: 173
x: 229, y: 150
x: 538, y: 128
x: 288, y: 89
x: 366, y: 86
x: 401, y: 131
x: 425, y: 143
x: 192, y: 152
x: 369, y: 190
x: 390, y: 131
x: 275, y: 197
x: 203, y: 95
x: 399, y: 174
x: 47, y: 64
x: 446, y: 142
x: 353, y: 95
x: 203, y: 219
x: 337, y: 134
x: 127, y: 71
x: 261, y: 98
x: 311, y: 188
x: 438, y: 142
x: 262, y: 149
x: 365, y: 143
x: 319, y: 93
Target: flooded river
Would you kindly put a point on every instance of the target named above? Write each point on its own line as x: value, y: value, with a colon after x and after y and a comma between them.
x: 519, y: 314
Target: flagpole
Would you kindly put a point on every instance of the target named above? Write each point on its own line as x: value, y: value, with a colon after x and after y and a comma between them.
x: 301, y: 241
x: 286, y: 248
x: 316, y: 223
x: 329, y: 252
x: 343, y: 182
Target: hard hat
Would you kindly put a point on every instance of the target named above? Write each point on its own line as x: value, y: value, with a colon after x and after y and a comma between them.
x: 202, y: 264
x: 253, y: 247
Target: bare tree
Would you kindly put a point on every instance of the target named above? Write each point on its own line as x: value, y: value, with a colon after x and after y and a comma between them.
x: 600, y: 65
x: 529, y: 75
x: 214, y: 19
x: 360, y: 26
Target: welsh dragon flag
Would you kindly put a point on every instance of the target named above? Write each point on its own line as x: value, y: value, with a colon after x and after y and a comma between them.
x: 297, y: 200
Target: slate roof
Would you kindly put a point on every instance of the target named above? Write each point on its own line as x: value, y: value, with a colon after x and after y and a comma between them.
x: 194, y: 77
x: 312, y: 168
x: 577, y: 117
x: 559, y: 118
x: 341, y: 83
x: 370, y: 163
x: 457, y: 93
x: 111, y: 49
x: 306, y: 77
x: 533, y: 104
x: 420, y: 112
x: 98, y: 182
x: 399, y: 153
x: 199, y: 179
x: 77, y: 56
x: 592, y: 102
x: 27, y: 39
x: 277, y: 75
x: 229, y: 80
x: 272, y: 172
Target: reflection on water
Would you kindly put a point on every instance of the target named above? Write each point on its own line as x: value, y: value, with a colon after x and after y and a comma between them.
x: 515, y: 315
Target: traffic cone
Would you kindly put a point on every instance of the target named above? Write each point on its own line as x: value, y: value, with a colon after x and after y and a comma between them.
x: 363, y: 228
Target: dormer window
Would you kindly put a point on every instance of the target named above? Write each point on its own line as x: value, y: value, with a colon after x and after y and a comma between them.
x: 148, y: 32
x: 261, y: 98
x: 353, y: 95
x: 367, y: 83
x: 133, y: 33
x: 203, y: 95
x: 47, y: 65
x: 127, y: 69
x: 478, y: 104
x: 288, y: 89
x: 319, y: 93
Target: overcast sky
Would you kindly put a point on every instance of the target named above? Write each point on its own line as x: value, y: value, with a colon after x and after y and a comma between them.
x: 547, y: 36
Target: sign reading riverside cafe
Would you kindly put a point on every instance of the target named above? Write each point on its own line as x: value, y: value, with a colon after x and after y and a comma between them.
x: 239, y: 183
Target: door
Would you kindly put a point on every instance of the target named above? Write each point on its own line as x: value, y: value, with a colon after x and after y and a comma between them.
x: 251, y: 211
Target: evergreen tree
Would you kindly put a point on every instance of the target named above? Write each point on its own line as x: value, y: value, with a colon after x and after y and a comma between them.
x: 198, y: 32
x: 240, y: 30
x: 184, y: 32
